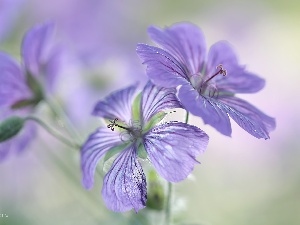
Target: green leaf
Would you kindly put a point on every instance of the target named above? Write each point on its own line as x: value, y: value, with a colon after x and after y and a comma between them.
x: 154, y: 121
x: 136, y: 107
x: 10, y: 127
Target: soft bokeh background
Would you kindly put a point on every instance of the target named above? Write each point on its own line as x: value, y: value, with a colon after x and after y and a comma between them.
x: 241, y: 180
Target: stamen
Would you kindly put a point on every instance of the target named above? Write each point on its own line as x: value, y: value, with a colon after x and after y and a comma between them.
x: 221, y: 71
x: 113, y: 123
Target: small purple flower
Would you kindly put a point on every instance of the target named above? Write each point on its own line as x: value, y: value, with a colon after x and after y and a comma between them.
x: 171, y: 147
x: 207, y: 83
x: 20, y: 85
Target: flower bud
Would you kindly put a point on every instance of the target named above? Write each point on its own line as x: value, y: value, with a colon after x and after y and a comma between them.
x: 10, y: 127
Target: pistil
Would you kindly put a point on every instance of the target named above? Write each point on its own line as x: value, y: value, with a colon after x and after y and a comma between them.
x: 221, y: 71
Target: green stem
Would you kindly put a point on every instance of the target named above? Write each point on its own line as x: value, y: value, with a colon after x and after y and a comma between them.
x: 53, y: 132
x: 169, y: 194
x: 187, y: 117
x: 168, y: 204
x: 58, y: 112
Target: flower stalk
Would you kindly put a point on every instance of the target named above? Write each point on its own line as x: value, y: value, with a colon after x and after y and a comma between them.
x: 53, y: 132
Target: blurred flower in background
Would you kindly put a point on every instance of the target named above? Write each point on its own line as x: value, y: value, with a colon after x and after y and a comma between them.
x: 241, y: 180
x: 9, y: 13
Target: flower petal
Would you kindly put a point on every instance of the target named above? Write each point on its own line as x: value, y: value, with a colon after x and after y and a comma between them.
x: 248, y: 117
x: 124, y: 186
x: 162, y: 68
x: 117, y: 105
x: 237, y: 80
x: 185, y: 41
x: 12, y: 82
x: 172, y: 148
x: 156, y: 99
x: 205, y: 107
x: 40, y: 54
x: 93, y: 150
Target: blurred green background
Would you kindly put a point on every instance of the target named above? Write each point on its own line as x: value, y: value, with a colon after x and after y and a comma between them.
x: 240, y: 181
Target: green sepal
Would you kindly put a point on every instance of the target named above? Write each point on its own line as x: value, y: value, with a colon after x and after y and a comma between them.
x: 136, y: 108
x: 35, y: 87
x: 156, y: 196
x: 24, y: 103
x: 38, y: 94
x: 154, y: 121
x: 115, y: 150
x: 10, y: 127
x: 142, y: 151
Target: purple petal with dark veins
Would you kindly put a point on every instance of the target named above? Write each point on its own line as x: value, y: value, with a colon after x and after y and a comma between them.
x: 237, y: 79
x: 185, y: 41
x: 211, y: 112
x: 162, y: 68
x: 12, y: 82
x: 93, y: 150
x: 124, y: 186
x: 156, y: 99
x: 248, y: 117
x: 117, y: 105
x: 172, y: 148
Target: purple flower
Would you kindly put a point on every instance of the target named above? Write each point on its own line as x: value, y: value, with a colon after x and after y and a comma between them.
x: 20, y: 85
x: 171, y: 147
x: 207, y: 82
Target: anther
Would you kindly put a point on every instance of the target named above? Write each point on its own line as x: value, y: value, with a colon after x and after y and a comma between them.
x: 221, y: 70
x: 112, y: 124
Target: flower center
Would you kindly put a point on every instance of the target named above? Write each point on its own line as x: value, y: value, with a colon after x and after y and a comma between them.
x: 130, y: 133
x: 221, y: 71
x: 206, y: 87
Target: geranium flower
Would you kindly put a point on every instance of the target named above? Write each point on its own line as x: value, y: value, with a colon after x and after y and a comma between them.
x: 21, y: 85
x: 171, y: 147
x: 207, y: 83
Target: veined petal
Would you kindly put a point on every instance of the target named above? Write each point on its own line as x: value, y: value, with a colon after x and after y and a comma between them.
x: 93, y: 150
x: 12, y: 82
x: 185, y: 41
x: 162, y: 68
x: 237, y: 79
x: 172, y: 148
x: 36, y: 47
x: 210, y: 111
x: 156, y: 99
x: 124, y: 186
x: 117, y: 105
x: 248, y: 117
